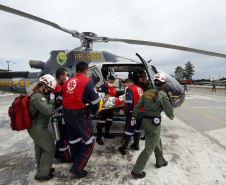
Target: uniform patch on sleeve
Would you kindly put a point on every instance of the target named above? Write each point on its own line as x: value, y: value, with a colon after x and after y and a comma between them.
x: 43, y: 99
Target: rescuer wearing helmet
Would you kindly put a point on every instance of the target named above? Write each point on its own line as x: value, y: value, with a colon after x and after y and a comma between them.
x: 41, y: 108
x: 154, y: 102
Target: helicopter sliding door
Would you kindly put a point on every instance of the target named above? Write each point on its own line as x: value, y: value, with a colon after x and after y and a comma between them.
x: 96, y: 76
x: 172, y: 88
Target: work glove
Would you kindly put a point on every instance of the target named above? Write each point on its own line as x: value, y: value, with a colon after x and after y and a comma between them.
x: 121, y: 112
x: 100, y: 105
x: 52, y: 96
x: 133, y: 121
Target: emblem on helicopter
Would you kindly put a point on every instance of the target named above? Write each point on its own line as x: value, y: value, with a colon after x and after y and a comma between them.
x: 61, y: 58
x: 71, y: 85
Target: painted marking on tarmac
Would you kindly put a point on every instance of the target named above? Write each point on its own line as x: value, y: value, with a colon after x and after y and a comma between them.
x: 204, y: 114
x: 215, y: 96
x: 201, y: 107
x: 219, y: 134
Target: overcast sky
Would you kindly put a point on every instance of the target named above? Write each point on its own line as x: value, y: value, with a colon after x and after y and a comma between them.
x: 197, y: 24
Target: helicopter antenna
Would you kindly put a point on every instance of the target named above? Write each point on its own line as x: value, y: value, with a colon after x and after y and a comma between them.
x: 149, y: 61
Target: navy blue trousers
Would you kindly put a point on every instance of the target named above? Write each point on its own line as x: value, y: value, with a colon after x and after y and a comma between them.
x: 81, y: 139
x: 105, y: 118
x: 62, y: 145
x: 130, y: 130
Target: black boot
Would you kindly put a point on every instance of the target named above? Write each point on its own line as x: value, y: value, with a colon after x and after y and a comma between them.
x: 143, y: 138
x: 123, y: 148
x: 164, y: 164
x: 98, y: 139
x: 136, y: 175
x: 50, y: 176
x: 135, y: 145
x: 107, y: 134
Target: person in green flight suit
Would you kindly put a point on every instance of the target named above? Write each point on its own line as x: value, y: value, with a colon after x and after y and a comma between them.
x: 40, y: 109
x: 154, y: 102
x: 143, y: 82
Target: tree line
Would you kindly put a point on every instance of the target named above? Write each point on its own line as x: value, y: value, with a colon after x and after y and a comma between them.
x: 185, y: 73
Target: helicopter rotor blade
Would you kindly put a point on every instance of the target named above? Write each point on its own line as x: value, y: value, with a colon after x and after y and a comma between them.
x: 74, y: 33
x: 170, y: 46
x: 94, y: 38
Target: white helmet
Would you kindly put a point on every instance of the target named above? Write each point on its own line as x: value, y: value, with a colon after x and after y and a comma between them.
x: 49, y: 80
x: 159, y: 77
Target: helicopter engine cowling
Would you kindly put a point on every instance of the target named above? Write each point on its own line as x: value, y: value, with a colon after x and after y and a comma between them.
x: 37, y: 64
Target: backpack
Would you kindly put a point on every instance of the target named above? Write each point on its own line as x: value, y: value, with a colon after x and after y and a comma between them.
x: 19, y: 113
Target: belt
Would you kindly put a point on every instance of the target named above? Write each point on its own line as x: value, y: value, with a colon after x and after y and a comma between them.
x: 148, y: 117
x: 77, y: 112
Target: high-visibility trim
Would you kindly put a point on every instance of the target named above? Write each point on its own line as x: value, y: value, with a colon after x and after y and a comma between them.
x: 108, y: 119
x: 128, y: 133
x: 149, y: 97
x: 101, y: 121
x: 95, y: 101
x: 128, y: 101
x: 60, y: 98
x: 89, y: 141
x: 76, y: 141
x: 63, y: 149
x: 150, y: 94
x: 138, y: 131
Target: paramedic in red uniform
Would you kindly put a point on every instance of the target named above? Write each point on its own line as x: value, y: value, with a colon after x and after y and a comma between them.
x: 106, y: 116
x: 133, y: 94
x: 80, y: 99
x: 62, y: 145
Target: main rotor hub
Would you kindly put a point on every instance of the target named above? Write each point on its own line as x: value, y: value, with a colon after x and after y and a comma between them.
x: 87, y: 41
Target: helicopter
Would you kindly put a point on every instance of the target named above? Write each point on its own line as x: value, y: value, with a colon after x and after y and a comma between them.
x: 102, y: 63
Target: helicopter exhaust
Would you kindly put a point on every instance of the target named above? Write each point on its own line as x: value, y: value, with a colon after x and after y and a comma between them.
x: 36, y: 64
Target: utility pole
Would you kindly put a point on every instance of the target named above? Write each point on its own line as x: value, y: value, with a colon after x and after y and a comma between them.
x: 8, y: 64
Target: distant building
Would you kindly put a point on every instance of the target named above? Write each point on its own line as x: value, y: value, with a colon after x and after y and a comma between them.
x: 3, y: 70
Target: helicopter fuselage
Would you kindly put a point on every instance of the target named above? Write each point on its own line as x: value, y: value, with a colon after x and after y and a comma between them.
x: 102, y: 64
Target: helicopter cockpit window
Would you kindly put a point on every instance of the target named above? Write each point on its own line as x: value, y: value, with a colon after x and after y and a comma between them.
x: 94, y: 77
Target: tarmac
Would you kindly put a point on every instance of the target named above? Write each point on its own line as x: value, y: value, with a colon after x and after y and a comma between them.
x: 193, y: 158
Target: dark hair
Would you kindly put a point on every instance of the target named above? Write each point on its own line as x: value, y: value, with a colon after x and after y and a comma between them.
x: 111, y: 78
x: 81, y: 67
x: 59, y: 72
x: 142, y: 74
x: 160, y: 87
x: 129, y: 80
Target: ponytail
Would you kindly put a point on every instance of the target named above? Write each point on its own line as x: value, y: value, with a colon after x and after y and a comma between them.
x: 160, y: 87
